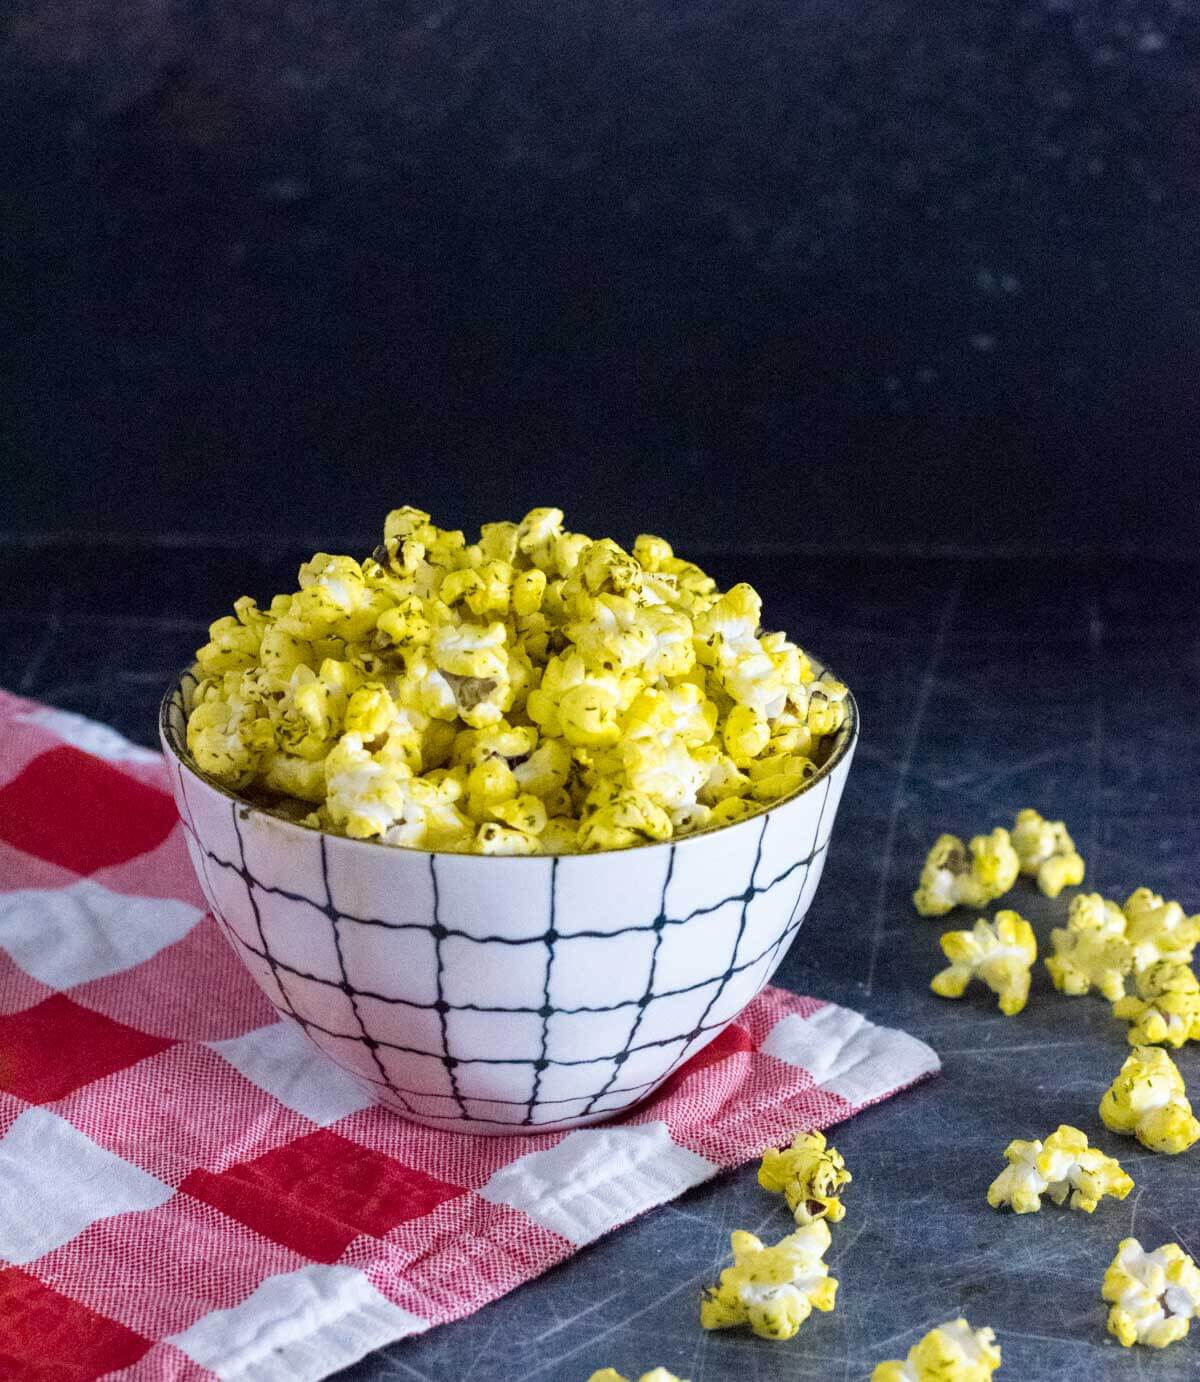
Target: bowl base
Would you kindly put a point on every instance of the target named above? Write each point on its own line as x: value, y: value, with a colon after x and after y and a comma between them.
x: 471, y: 1127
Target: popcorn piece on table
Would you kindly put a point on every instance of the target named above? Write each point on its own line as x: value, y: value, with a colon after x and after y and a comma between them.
x: 1154, y: 1295
x: 654, y: 1375
x: 1148, y: 1100
x: 809, y: 1174
x: 1158, y: 930
x: 1166, y: 1009
x: 953, y: 1352
x: 1046, y: 852
x: 1092, y: 950
x: 1000, y: 953
x: 1063, y: 1166
x: 972, y: 876
x: 532, y: 692
x: 773, y: 1290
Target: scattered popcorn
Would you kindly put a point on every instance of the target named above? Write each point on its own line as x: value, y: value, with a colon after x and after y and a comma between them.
x: 773, y: 1290
x: 1063, y: 1166
x: 654, y: 1375
x: 1148, y: 1100
x: 809, y: 1175
x: 1092, y: 951
x: 953, y: 1352
x: 1158, y: 930
x: 999, y: 953
x: 1154, y: 1295
x: 532, y: 692
x: 1166, y: 1010
x: 1046, y: 852
x: 970, y: 876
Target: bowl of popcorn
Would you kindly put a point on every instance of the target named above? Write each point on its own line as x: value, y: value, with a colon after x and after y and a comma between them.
x: 514, y: 827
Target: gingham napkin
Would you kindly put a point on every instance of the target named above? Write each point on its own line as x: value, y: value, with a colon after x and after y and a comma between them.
x: 188, y: 1190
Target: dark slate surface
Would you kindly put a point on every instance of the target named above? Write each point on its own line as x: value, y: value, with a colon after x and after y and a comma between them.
x: 273, y: 265
x: 984, y: 687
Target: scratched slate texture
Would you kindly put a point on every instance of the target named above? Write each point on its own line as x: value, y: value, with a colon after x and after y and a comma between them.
x: 984, y: 686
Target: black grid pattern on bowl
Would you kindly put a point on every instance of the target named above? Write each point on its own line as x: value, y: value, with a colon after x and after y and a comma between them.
x: 525, y: 1112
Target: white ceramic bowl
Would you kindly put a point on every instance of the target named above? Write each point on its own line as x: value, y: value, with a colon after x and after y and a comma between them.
x: 500, y: 995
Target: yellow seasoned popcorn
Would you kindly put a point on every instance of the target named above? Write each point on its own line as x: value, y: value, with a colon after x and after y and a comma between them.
x: 953, y: 1352
x: 532, y: 692
x: 809, y: 1174
x: 1154, y: 1295
x: 1063, y: 1167
x: 1092, y: 950
x: 1046, y: 852
x: 1000, y: 953
x: 1158, y: 930
x: 1166, y: 1009
x: 773, y: 1290
x: 654, y: 1375
x: 971, y: 876
x: 1148, y: 1100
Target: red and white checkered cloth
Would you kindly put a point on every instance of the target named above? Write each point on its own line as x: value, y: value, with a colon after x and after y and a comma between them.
x: 188, y: 1190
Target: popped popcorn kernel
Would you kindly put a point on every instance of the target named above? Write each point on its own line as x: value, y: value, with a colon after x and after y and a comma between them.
x: 533, y: 691
x: 956, y: 874
x: 1158, y: 930
x: 1148, y: 1100
x: 809, y: 1174
x: 772, y: 1290
x: 1092, y: 951
x: 999, y: 953
x: 1154, y: 1295
x: 953, y: 1352
x: 492, y: 838
x: 1166, y: 1009
x: 1047, y: 852
x: 223, y: 737
x: 1063, y: 1167
x: 747, y: 733
x: 654, y: 1375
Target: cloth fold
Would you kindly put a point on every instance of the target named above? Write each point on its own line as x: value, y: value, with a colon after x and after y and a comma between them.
x: 189, y: 1190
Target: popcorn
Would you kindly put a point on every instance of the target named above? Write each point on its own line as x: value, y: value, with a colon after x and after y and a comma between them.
x: 533, y: 691
x: 1148, y: 1100
x: 953, y: 1352
x: 1158, y: 930
x: 747, y: 733
x: 582, y: 707
x: 773, y: 1290
x: 622, y: 818
x: 232, y: 646
x: 654, y: 1375
x: 375, y: 794
x: 1063, y: 1167
x: 294, y: 777
x: 228, y: 739
x: 1000, y: 953
x: 1092, y: 952
x: 1154, y: 1295
x: 333, y: 598
x: 809, y: 1175
x: 498, y: 839
x: 729, y: 625
x: 1167, y: 1007
x: 763, y: 674
x: 955, y: 874
x: 1046, y: 852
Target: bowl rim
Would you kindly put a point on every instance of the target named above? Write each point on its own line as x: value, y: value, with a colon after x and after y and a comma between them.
x: 844, y: 743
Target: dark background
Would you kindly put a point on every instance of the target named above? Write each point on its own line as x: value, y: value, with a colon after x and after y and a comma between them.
x: 908, y: 282
x: 910, y: 275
